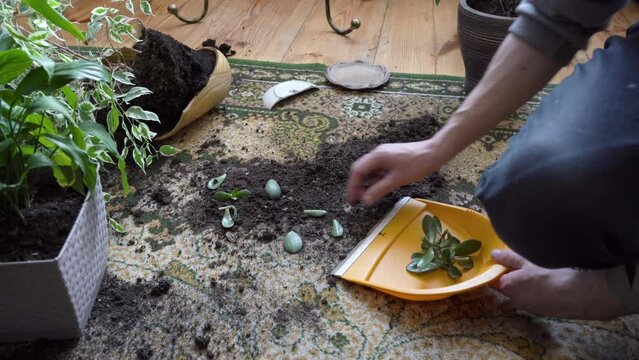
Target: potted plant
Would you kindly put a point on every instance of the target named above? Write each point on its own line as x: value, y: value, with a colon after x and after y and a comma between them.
x: 51, y: 149
x: 482, y: 26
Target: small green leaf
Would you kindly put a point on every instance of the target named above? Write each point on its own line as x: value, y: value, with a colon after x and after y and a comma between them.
x: 337, y: 230
x: 168, y: 150
x: 416, y: 256
x: 136, y: 112
x: 467, y: 247
x: 433, y: 265
x: 315, y: 212
x: 135, y: 92
x: 426, y: 259
x: 216, y: 182
x: 116, y: 226
x: 222, y: 196
x: 71, y: 96
x: 454, y: 272
x: 466, y: 262
x: 122, y: 77
x: 138, y: 158
x: 238, y: 194
x: 145, y: 6
x: 113, y: 120
x: 430, y: 228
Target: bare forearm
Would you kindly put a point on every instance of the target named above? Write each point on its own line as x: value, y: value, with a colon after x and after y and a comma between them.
x: 516, y: 73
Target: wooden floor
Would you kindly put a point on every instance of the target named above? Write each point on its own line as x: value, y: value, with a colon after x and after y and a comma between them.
x: 413, y: 36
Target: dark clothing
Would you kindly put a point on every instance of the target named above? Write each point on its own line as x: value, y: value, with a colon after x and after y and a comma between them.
x: 559, y: 28
x: 566, y: 192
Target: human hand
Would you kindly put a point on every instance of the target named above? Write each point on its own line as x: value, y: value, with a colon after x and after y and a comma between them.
x: 390, y: 166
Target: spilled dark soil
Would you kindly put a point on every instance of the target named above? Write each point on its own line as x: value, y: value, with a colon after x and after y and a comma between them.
x: 46, y: 226
x: 174, y: 73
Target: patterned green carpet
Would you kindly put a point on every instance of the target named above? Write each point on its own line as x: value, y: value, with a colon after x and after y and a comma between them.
x: 232, y: 296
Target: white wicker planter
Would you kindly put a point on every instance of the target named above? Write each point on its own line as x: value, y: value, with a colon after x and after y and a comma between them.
x: 52, y: 299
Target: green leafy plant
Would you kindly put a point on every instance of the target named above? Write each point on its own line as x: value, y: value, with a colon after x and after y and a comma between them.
x: 50, y: 93
x: 442, y: 250
x: 234, y: 195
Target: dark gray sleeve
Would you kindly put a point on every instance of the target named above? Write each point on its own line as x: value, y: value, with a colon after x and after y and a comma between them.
x: 561, y: 27
x: 623, y: 281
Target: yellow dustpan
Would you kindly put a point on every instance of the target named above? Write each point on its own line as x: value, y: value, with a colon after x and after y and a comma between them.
x: 380, y: 260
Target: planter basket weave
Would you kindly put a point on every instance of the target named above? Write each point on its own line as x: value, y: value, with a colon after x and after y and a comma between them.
x: 52, y: 299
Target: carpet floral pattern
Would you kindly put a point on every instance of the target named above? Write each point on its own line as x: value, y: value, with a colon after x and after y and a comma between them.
x: 230, y: 300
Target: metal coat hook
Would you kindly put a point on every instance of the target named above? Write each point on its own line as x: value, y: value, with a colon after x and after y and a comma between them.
x: 355, y: 23
x: 173, y: 9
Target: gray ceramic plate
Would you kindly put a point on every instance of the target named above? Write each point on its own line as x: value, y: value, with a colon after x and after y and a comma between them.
x: 357, y: 75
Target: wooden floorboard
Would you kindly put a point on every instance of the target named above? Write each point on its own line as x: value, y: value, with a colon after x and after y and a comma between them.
x: 317, y: 43
x: 413, y: 36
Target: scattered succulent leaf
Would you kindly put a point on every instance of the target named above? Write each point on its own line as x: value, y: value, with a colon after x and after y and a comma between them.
x: 216, y: 182
x: 293, y: 242
x: 337, y: 229
x: 315, y: 212
x: 116, y: 226
x: 454, y: 272
x: 272, y: 189
x: 230, y: 213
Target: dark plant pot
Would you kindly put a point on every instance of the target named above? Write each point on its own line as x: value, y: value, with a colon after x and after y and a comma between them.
x: 480, y: 35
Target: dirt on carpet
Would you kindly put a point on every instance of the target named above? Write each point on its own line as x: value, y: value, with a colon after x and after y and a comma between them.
x: 318, y: 183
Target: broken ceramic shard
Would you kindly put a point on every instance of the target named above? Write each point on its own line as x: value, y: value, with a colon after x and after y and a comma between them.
x: 357, y: 75
x: 285, y: 90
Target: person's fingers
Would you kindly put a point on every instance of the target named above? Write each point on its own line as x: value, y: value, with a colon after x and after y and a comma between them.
x: 360, y: 171
x: 508, y: 258
x: 380, y: 188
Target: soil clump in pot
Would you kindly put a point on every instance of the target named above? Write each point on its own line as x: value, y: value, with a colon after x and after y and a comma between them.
x: 47, y: 224
x: 495, y: 7
x: 174, y: 73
